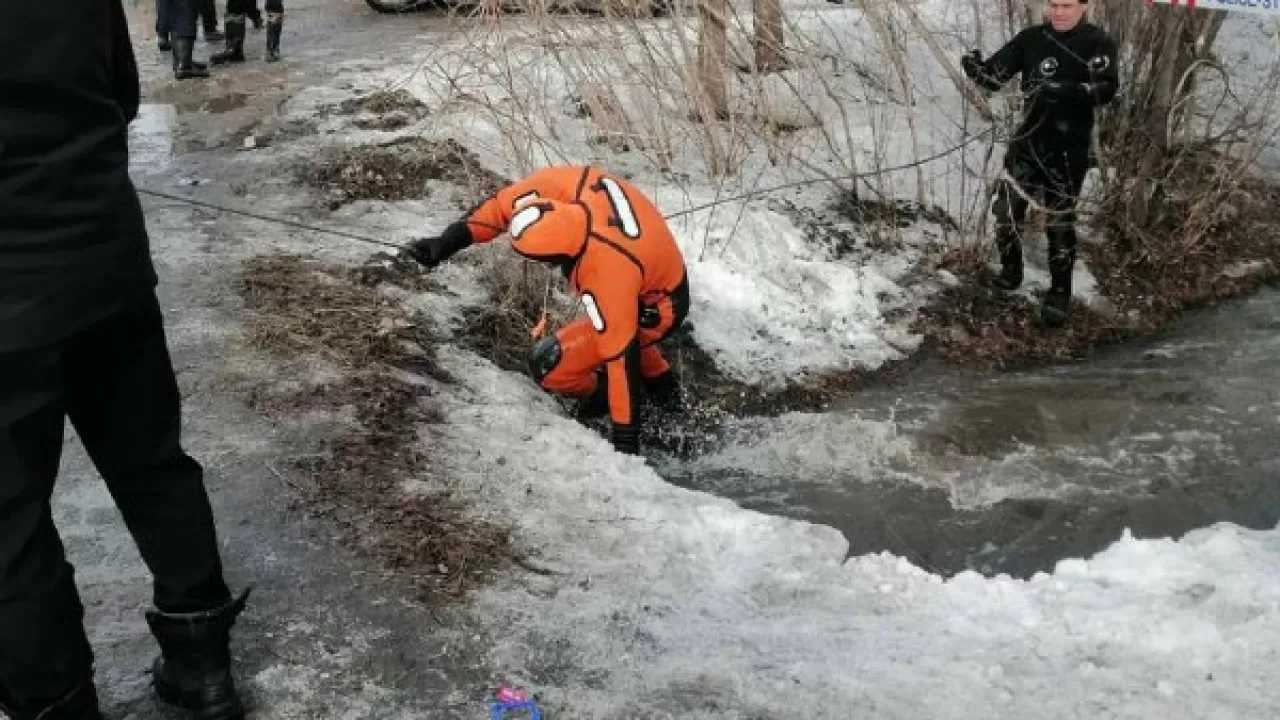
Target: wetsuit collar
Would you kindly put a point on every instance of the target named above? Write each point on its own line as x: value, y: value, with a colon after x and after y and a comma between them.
x: 1048, y: 26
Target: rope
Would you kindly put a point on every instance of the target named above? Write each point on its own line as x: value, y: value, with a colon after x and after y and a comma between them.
x: 346, y: 234
x: 270, y: 219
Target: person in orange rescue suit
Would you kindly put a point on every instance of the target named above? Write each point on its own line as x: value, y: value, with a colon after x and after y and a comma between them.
x: 619, y: 256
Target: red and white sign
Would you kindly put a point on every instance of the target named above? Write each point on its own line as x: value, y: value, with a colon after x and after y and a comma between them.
x: 1266, y: 7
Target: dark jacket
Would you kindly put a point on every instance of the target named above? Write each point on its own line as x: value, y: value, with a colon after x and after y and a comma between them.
x: 73, y: 244
x: 1064, y: 76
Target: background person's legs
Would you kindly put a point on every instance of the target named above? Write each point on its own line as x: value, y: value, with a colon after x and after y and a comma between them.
x: 275, y: 24
x: 208, y: 12
x: 164, y: 12
x: 182, y: 27
x: 237, y: 15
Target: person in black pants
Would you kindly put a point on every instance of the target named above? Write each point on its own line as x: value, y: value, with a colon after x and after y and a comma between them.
x: 176, y: 28
x: 82, y: 338
x: 1068, y: 68
x: 163, y: 24
x: 237, y: 13
x: 208, y: 12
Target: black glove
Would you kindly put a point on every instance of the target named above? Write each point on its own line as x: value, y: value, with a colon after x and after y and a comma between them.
x: 971, y: 63
x: 431, y: 251
x: 626, y: 439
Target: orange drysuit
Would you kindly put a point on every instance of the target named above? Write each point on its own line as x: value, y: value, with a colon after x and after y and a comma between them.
x: 618, y: 255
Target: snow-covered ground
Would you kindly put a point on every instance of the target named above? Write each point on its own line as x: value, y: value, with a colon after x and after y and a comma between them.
x: 663, y: 602
x: 667, y: 593
x: 769, y: 302
x: 669, y: 603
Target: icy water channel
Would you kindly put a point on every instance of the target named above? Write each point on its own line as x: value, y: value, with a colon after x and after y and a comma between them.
x: 1011, y: 472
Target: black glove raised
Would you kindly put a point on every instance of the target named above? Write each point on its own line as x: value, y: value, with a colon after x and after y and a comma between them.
x: 431, y: 251
x: 626, y: 439
x: 971, y: 63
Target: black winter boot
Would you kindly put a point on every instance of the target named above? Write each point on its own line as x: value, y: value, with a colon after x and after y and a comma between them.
x: 79, y: 704
x: 234, y: 52
x: 194, y: 668
x: 183, y: 66
x: 1062, y: 260
x: 275, y: 23
x: 1010, y: 248
x: 1057, y: 303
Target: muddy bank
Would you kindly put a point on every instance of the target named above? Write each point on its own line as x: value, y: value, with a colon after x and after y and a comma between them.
x: 352, y: 356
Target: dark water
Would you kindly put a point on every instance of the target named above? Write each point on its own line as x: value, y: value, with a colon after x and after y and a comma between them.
x: 1009, y: 473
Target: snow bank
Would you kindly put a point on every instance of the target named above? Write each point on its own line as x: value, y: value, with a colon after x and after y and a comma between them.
x: 663, y: 602
x: 671, y: 603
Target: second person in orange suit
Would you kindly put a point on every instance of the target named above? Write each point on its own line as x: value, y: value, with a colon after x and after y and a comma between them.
x: 619, y: 256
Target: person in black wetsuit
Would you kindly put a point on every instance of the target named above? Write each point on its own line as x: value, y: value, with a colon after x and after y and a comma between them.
x: 1068, y: 67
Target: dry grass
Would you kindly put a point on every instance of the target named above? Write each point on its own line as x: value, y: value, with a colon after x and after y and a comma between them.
x: 521, y: 291
x: 398, y: 170
x: 300, y: 310
x: 385, y: 110
x: 1210, y: 217
x: 381, y: 102
x: 1207, y: 225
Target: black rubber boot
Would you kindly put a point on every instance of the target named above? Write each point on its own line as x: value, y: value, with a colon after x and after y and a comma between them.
x: 79, y: 704
x: 1062, y: 260
x: 1010, y: 247
x: 183, y: 66
x: 275, y: 23
x: 194, y: 668
x: 234, y: 52
x: 1057, y: 304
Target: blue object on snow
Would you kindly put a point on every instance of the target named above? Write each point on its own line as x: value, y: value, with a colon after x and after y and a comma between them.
x: 498, y: 710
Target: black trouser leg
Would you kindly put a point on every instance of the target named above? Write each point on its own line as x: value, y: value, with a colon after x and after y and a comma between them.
x: 1061, y: 232
x: 235, y: 22
x: 1010, y: 209
x: 275, y: 23
x: 44, y: 653
x: 164, y: 12
x: 124, y: 404
x: 183, y: 18
x: 1065, y: 179
x: 252, y: 12
x: 208, y: 12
